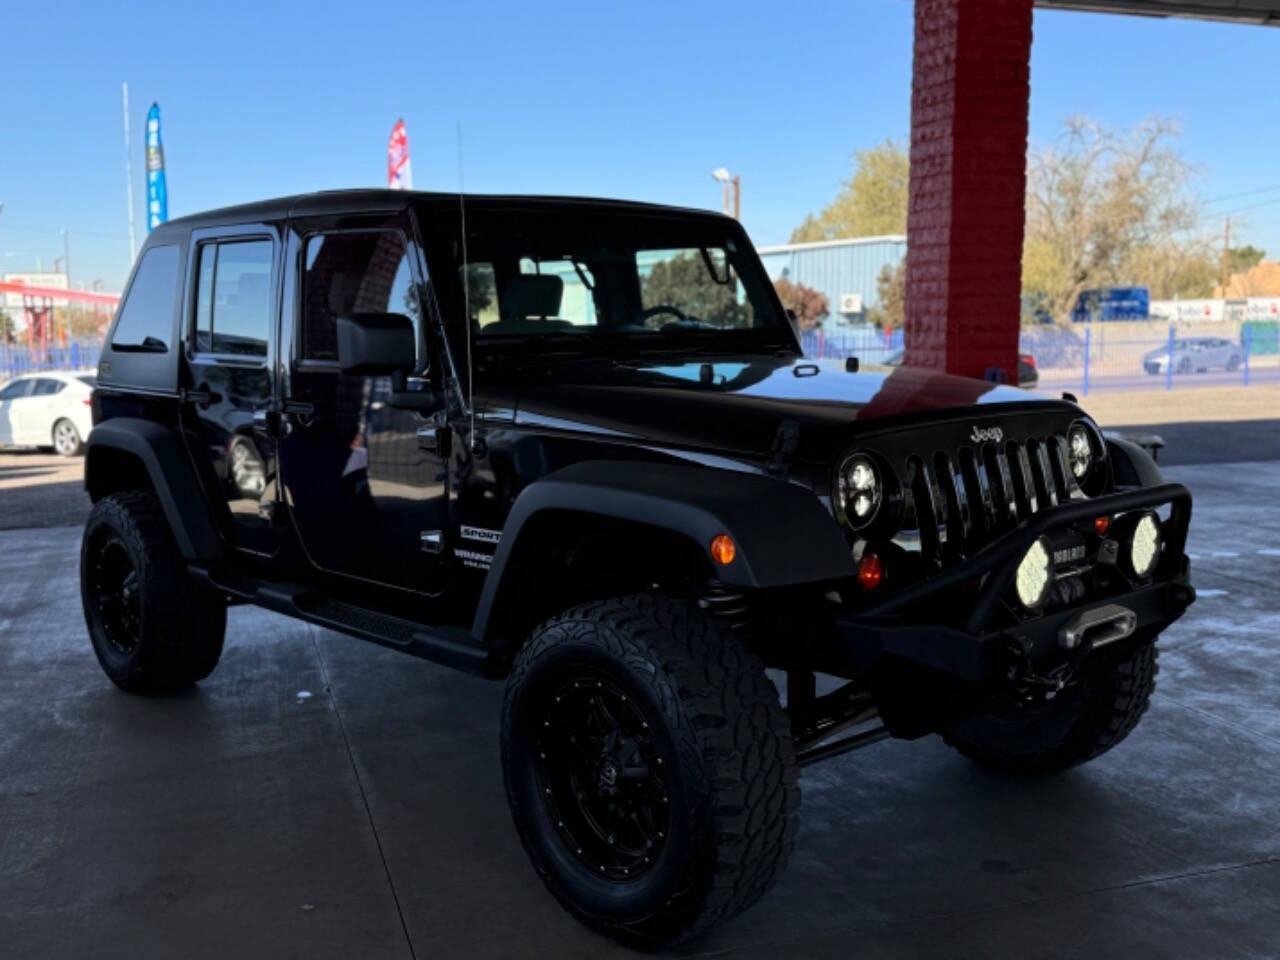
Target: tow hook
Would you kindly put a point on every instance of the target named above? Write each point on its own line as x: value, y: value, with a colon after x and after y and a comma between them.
x: 1029, y: 684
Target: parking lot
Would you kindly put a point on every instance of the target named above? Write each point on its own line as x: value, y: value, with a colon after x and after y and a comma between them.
x: 319, y: 797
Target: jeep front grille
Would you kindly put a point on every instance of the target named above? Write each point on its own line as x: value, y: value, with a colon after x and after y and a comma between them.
x: 966, y: 499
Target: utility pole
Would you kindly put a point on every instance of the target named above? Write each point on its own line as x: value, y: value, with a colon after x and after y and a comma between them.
x: 128, y: 175
x: 722, y: 176
x: 66, y: 254
x: 1226, y: 258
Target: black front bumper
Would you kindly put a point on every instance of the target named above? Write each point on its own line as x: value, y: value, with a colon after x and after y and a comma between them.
x: 959, y: 622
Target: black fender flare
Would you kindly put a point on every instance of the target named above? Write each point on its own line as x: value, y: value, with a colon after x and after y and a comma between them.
x: 1131, y: 466
x: 164, y: 457
x: 783, y: 534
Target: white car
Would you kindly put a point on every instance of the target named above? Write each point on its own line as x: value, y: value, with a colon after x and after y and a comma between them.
x: 47, y: 410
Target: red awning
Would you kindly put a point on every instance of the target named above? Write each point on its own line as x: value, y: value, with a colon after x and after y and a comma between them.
x: 80, y: 296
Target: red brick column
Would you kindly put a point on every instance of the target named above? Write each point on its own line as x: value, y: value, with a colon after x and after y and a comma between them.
x: 969, y: 97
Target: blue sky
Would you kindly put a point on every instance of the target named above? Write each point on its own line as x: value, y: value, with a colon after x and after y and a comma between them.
x: 627, y: 100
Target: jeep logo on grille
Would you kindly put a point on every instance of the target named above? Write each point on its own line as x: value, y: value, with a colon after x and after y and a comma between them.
x: 981, y: 435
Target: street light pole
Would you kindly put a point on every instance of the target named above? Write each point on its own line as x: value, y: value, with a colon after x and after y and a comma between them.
x: 128, y: 175
x: 722, y: 175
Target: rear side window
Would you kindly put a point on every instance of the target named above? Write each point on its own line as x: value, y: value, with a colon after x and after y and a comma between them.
x: 15, y: 389
x: 146, y: 316
x: 46, y: 387
x: 233, y: 298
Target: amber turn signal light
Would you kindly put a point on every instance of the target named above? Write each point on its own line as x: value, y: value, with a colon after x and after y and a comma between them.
x: 723, y: 549
x: 1101, y: 525
x: 870, y: 571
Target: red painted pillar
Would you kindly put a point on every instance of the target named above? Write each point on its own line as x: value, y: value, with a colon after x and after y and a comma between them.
x: 969, y: 97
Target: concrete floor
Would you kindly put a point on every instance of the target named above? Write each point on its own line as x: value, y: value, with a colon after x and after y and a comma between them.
x: 319, y: 797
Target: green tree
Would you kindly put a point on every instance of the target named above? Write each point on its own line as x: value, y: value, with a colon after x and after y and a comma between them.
x: 891, y: 292
x: 685, y: 283
x: 1243, y: 258
x: 809, y: 305
x: 872, y: 202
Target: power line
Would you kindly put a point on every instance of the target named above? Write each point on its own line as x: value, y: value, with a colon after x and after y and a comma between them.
x: 1252, y: 206
x: 1245, y: 193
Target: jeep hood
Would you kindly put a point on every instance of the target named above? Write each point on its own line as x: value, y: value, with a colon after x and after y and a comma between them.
x: 738, y: 406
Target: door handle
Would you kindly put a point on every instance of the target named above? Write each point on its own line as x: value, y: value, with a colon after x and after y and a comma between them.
x: 202, y: 396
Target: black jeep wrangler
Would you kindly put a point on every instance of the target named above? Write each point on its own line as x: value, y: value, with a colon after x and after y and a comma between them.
x: 574, y: 444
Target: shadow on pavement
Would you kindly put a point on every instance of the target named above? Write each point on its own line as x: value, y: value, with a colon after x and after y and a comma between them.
x: 44, y: 505
x: 1229, y: 441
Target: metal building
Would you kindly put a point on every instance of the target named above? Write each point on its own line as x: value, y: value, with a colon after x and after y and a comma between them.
x: 844, y: 270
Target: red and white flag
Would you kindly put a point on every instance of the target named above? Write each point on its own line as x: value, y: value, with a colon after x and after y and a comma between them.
x: 399, y: 174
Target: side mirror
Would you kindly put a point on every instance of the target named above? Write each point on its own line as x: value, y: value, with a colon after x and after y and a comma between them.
x: 376, y: 344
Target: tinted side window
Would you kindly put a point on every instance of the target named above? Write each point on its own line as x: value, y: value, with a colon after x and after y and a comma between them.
x: 15, y: 389
x: 233, y: 297
x: 348, y: 273
x: 46, y: 387
x: 146, y: 316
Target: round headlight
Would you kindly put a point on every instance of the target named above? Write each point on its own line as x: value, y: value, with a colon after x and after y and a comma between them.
x: 1144, y: 547
x: 1079, y: 451
x: 860, y: 489
x: 1032, y: 581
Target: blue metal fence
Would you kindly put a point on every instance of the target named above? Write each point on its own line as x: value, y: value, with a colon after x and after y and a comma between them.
x: 1091, y: 357
x: 18, y: 358
x: 1084, y: 358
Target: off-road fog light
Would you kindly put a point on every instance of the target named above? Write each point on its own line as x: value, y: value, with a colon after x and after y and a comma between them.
x: 1144, y: 546
x: 1080, y: 451
x: 860, y: 489
x: 1032, y: 579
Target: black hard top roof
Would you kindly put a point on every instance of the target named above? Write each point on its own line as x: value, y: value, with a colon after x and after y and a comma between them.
x: 344, y: 201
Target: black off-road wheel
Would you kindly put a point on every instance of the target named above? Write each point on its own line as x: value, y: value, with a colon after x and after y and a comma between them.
x: 649, y: 767
x: 154, y: 630
x: 1097, y: 710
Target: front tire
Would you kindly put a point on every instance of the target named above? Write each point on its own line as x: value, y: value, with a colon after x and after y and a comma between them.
x: 1094, y: 713
x: 153, y: 629
x: 649, y: 768
x: 67, y: 441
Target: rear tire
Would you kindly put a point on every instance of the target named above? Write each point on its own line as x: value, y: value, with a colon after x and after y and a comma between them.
x: 680, y: 810
x: 67, y: 441
x: 1093, y: 714
x: 153, y: 629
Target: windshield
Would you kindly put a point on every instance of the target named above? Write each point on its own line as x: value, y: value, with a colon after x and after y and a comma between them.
x: 605, y: 278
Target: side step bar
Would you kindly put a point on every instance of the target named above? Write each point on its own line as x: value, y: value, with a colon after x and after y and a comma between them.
x: 448, y: 645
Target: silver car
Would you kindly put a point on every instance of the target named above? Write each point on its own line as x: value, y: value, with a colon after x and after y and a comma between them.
x: 1192, y: 354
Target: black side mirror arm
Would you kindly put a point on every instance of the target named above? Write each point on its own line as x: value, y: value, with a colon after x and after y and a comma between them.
x: 414, y: 393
